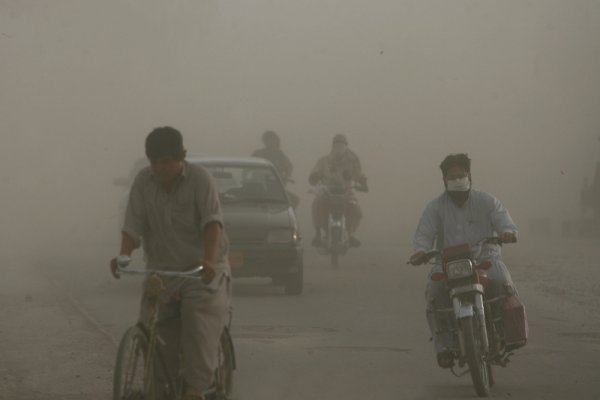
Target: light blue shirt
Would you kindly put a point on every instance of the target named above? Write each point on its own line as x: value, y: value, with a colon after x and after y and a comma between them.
x: 445, y: 224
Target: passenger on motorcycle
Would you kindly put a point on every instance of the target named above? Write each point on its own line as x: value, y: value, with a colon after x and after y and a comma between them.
x: 341, y: 168
x: 461, y: 215
x: 273, y: 153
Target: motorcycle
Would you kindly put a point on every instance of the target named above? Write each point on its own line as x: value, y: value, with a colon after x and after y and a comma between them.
x: 337, y: 197
x: 484, y: 330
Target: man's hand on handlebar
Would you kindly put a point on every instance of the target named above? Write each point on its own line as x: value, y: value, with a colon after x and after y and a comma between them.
x: 113, y: 268
x: 509, y: 237
x: 208, y: 273
x: 314, y: 178
x: 361, y: 184
x: 120, y: 261
x: 418, y: 258
x: 362, y: 188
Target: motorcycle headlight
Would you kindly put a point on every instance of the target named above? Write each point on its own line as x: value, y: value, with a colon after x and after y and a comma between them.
x: 460, y: 269
x: 282, y: 236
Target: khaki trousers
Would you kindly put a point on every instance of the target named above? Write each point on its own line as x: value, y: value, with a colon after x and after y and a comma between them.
x: 190, y: 324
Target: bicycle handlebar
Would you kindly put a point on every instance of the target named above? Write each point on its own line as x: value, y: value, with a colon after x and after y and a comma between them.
x: 192, y: 273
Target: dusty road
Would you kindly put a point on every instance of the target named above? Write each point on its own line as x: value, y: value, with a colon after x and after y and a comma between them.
x: 356, y: 333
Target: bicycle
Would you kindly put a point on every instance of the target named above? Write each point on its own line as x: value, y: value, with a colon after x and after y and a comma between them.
x: 139, y: 353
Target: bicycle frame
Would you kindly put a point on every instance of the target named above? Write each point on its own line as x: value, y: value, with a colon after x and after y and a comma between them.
x: 153, y: 290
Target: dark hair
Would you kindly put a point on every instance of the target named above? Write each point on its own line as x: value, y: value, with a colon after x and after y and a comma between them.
x: 456, y: 160
x: 270, y: 135
x: 164, y: 141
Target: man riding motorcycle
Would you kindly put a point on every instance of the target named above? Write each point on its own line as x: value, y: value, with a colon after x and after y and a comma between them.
x: 273, y: 153
x: 340, y: 168
x: 461, y: 215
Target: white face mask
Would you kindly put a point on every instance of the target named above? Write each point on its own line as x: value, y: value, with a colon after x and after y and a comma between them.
x: 459, y: 185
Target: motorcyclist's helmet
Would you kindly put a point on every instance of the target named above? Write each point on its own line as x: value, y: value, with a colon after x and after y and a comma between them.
x: 270, y: 137
x: 339, y: 138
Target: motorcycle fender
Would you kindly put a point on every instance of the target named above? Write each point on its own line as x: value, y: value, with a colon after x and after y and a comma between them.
x: 462, y: 310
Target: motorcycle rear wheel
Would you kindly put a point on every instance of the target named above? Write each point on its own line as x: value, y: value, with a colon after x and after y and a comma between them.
x: 478, y: 366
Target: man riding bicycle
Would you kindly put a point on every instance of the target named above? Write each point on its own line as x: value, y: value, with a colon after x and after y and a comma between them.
x: 174, y: 212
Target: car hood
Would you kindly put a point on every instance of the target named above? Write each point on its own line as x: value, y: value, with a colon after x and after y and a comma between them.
x: 250, y: 223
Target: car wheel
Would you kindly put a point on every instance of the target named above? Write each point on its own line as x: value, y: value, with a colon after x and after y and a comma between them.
x: 294, y: 282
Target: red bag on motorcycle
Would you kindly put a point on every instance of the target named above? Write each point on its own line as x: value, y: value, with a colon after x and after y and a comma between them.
x: 516, y: 329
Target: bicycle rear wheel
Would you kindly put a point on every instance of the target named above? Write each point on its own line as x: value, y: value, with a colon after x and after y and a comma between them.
x: 222, y: 388
x: 130, y: 375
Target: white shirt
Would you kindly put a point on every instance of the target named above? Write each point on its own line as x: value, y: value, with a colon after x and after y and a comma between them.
x: 445, y: 224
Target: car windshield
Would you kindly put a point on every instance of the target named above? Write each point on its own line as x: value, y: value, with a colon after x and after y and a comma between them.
x: 240, y: 184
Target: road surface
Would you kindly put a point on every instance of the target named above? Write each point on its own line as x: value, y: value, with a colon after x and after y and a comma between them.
x: 358, y: 332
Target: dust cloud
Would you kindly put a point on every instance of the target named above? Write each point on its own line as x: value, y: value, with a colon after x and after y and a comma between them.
x: 513, y: 83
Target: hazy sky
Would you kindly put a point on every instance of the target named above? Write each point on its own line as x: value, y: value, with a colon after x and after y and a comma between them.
x: 514, y: 83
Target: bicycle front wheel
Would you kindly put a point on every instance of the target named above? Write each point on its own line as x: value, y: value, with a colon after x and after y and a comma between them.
x: 131, y: 381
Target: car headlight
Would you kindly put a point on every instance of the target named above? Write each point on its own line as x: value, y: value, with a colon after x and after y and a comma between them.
x: 282, y: 236
x: 460, y: 269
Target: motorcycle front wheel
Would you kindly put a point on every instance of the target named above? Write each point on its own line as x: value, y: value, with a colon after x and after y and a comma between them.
x: 336, y: 246
x: 478, y: 366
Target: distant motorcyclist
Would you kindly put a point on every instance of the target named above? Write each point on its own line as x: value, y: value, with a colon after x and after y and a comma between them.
x: 340, y: 168
x: 273, y: 153
x: 461, y: 215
